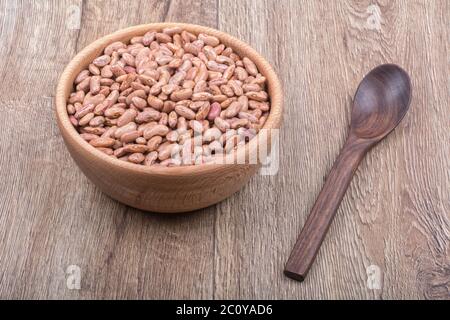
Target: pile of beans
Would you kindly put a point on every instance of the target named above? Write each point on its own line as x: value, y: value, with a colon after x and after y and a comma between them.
x: 169, y: 98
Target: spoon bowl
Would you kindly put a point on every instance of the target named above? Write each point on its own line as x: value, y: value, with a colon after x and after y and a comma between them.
x: 381, y: 101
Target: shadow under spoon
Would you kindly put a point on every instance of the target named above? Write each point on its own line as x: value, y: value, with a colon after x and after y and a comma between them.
x: 380, y: 103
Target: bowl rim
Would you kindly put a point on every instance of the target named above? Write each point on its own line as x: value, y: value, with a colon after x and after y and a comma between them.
x: 66, y: 79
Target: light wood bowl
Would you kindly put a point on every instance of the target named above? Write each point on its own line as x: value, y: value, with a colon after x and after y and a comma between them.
x: 162, y: 189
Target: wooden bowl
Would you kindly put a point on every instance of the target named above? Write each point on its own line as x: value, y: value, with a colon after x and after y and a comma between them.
x: 162, y: 189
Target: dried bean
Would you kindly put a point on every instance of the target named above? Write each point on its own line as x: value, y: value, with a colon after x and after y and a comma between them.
x: 145, y: 101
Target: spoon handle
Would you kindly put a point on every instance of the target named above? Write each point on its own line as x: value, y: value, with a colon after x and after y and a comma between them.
x: 327, y: 203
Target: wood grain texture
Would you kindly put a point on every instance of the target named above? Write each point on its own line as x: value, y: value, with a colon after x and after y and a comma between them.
x: 395, y: 215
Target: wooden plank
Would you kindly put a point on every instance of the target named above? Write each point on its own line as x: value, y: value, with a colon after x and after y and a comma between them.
x: 52, y: 216
x: 35, y: 171
x: 395, y: 214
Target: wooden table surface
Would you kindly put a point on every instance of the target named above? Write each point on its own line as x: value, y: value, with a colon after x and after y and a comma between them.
x: 391, y: 236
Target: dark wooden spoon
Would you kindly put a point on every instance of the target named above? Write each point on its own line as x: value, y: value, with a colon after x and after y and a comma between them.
x: 380, y: 103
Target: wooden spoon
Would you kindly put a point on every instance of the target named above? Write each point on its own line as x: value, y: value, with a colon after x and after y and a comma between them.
x: 380, y: 103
